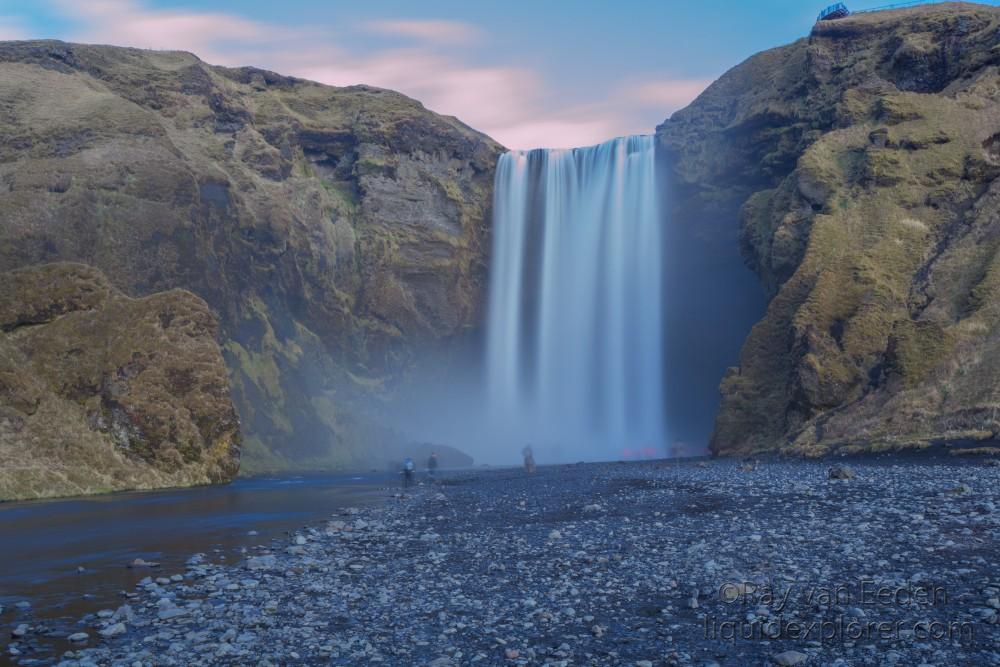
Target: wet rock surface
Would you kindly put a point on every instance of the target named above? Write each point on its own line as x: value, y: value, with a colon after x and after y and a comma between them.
x: 596, y: 564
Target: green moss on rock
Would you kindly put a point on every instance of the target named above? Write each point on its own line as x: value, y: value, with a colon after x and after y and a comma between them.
x: 100, y: 392
x: 863, y: 159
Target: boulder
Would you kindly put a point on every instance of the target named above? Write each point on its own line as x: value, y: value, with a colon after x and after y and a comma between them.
x: 840, y: 472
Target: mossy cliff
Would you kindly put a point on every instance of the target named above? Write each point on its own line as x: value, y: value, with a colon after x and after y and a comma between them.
x: 100, y: 392
x: 863, y: 160
x: 333, y: 231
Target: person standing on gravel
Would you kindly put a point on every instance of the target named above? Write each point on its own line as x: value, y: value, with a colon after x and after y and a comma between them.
x: 408, y: 469
x: 529, y: 459
x: 432, y: 465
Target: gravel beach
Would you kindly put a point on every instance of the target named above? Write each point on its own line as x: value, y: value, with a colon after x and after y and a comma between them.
x: 640, y: 564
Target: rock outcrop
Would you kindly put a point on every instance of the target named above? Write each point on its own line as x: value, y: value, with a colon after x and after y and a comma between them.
x: 334, y: 231
x: 100, y: 392
x: 865, y: 161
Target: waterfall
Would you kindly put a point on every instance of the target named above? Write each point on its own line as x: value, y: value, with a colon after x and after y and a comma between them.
x: 575, y: 333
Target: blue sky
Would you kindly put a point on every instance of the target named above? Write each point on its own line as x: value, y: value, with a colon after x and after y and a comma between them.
x: 529, y: 73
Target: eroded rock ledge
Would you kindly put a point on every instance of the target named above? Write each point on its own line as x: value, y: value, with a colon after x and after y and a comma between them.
x: 100, y: 392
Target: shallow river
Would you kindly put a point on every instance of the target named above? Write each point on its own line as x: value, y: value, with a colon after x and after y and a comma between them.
x: 43, y: 544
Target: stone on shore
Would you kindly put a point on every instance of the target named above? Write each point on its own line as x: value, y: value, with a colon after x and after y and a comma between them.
x: 790, y: 658
x: 113, y: 630
x: 840, y: 471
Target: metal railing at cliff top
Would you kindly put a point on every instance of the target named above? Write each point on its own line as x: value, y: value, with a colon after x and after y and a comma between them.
x: 898, y: 5
x: 840, y: 10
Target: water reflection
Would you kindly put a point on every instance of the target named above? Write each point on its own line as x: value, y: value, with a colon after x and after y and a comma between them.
x: 42, y: 544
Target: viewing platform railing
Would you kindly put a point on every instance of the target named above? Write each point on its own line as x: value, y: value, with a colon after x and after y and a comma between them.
x: 840, y: 10
x: 897, y: 5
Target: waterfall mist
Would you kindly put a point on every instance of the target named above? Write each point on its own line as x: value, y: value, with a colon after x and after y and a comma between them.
x: 617, y: 300
x: 574, y: 348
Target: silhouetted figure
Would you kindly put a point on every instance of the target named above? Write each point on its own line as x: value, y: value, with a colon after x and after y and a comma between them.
x: 529, y: 459
x: 432, y: 465
x: 408, y: 469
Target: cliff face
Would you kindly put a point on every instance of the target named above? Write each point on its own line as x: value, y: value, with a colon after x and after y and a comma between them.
x: 864, y: 162
x: 99, y: 392
x: 333, y: 230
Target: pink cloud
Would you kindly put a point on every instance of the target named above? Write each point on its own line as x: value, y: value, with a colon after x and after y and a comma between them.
x: 514, y: 105
x: 562, y: 132
x: 128, y: 23
x: 440, y: 32
x: 507, y: 103
x: 667, y: 95
x: 484, y: 97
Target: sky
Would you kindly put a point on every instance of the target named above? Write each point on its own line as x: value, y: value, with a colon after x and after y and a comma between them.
x: 530, y: 73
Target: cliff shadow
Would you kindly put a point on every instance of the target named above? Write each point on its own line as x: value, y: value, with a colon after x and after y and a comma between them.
x: 712, y: 300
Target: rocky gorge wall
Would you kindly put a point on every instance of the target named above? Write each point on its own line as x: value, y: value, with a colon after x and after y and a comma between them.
x: 863, y: 161
x: 332, y: 230
x: 339, y: 234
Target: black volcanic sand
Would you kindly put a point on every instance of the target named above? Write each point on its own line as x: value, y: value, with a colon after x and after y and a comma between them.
x: 634, y: 564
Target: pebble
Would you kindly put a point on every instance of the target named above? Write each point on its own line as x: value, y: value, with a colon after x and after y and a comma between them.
x: 167, y: 614
x: 113, y: 630
x: 790, y: 658
x: 262, y: 562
